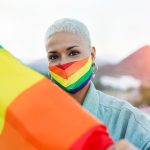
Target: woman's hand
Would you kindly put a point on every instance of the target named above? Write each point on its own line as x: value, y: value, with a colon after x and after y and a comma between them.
x: 122, y: 145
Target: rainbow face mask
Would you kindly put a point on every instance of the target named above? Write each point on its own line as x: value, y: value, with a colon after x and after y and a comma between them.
x: 72, y: 76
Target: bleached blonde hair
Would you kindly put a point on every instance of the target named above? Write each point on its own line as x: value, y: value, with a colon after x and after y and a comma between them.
x: 68, y: 25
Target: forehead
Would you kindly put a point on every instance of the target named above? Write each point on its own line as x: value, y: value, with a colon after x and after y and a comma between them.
x: 66, y: 39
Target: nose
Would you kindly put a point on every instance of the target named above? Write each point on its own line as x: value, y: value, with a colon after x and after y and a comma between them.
x: 63, y: 60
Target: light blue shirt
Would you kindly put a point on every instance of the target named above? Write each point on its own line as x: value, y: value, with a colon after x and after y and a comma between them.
x: 122, y: 119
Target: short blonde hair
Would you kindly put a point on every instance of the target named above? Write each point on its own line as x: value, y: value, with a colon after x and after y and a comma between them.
x: 68, y: 25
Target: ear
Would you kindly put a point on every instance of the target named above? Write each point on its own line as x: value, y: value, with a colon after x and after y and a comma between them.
x: 93, y: 53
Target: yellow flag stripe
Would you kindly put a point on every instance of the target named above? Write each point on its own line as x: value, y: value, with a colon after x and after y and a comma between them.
x: 8, y: 89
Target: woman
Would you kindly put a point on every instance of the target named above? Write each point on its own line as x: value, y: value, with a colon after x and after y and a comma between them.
x: 71, y: 61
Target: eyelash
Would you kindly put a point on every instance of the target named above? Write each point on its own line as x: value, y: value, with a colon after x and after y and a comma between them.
x: 76, y: 53
x: 53, y: 56
x: 72, y: 53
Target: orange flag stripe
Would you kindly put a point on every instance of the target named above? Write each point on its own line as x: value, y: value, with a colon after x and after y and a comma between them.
x: 11, y: 139
x: 35, y: 125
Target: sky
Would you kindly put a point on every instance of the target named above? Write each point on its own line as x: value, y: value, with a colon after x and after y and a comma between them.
x: 117, y: 27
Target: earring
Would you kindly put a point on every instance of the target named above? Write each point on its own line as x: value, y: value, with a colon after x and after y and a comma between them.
x: 95, y: 69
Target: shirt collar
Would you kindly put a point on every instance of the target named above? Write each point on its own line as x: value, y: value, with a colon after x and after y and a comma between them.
x: 91, y: 100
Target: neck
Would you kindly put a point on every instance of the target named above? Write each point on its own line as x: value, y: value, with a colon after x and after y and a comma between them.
x: 80, y: 95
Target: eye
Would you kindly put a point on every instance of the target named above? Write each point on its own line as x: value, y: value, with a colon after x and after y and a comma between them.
x: 53, y: 57
x: 73, y: 53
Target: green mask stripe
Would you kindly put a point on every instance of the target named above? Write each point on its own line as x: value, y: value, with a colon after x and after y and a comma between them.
x: 78, y: 83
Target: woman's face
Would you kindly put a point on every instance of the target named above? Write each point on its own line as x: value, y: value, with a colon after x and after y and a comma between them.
x: 65, y: 47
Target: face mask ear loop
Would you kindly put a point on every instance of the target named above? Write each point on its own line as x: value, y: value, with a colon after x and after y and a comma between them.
x: 49, y: 75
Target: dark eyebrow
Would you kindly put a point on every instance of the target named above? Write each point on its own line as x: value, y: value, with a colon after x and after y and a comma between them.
x: 69, y: 48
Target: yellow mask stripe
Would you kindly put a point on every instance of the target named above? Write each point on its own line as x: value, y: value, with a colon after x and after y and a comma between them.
x: 75, y: 76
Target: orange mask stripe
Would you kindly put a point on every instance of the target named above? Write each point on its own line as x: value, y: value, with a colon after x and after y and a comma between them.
x: 70, y: 70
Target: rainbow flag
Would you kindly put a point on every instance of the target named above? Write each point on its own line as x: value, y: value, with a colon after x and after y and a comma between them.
x: 72, y: 76
x: 35, y: 114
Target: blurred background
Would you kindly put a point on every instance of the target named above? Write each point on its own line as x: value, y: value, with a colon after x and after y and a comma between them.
x: 120, y: 31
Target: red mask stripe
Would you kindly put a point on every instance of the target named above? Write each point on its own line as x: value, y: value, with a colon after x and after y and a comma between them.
x: 70, y: 70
